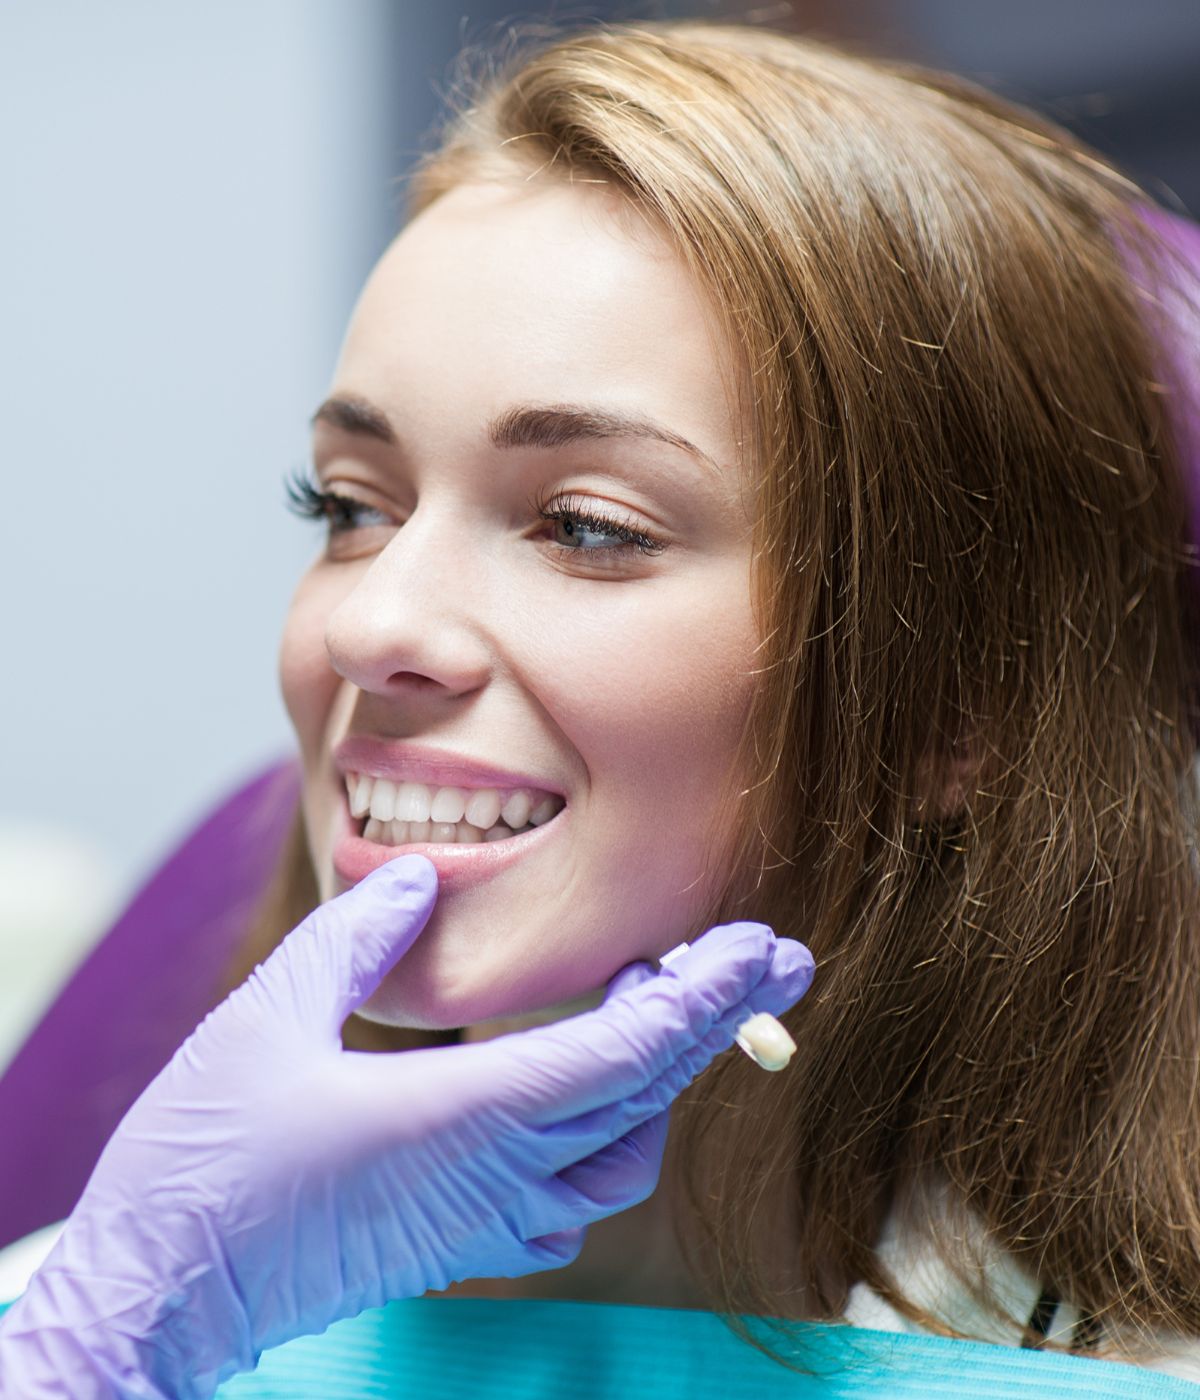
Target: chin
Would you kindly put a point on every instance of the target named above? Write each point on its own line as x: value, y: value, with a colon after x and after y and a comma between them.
x: 420, y: 995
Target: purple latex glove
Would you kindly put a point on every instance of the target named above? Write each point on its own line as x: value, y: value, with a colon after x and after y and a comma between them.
x: 269, y: 1182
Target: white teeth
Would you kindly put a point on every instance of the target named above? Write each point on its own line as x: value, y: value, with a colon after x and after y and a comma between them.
x: 448, y: 805
x: 383, y: 800
x: 401, y: 813
x: 418, y: 802
x: 516, y: 810
x: 360, y: 797
x: 412, y: 802
x: 483, y: 808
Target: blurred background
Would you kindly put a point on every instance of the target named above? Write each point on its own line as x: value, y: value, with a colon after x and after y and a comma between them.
x: 193, y: 194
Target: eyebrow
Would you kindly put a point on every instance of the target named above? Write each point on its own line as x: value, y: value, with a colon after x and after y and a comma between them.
x: 355, y: 415
x: 523, y: 425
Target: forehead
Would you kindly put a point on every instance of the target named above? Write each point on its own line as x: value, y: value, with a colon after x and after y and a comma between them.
x: 550, y: 293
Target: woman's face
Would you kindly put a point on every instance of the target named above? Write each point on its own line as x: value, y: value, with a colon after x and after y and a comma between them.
x: 509, y: 356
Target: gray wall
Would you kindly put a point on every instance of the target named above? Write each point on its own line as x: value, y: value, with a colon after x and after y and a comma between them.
x: 192, y: 196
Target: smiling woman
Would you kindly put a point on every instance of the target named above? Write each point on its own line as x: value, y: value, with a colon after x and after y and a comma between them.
x: 735, y: 512
x: 535, y: 567
x: 803, y: 511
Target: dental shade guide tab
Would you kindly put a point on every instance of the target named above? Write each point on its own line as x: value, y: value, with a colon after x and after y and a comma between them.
x: 766, y: 1041
x: 761, y: 1036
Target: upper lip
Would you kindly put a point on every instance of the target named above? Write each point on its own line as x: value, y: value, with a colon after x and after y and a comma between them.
x: 403, y: 761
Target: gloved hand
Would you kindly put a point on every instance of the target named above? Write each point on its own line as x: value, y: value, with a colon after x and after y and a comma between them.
x: 269, y: 1182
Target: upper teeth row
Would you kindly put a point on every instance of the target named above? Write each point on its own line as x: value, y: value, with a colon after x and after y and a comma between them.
x: 387, y: 801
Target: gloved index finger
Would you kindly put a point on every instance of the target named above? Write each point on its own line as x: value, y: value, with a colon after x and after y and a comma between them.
x: 618, y: 1049
x: 336, y: 958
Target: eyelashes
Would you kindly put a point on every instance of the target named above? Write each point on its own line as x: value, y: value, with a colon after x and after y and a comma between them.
x: 576, y: 515
x: 307, y: 500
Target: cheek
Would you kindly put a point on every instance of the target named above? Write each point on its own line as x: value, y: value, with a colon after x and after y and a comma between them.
x: 653, y: 690
x: 307, y: 680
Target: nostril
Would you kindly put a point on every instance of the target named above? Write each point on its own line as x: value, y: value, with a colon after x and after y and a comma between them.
x: 412, y: 680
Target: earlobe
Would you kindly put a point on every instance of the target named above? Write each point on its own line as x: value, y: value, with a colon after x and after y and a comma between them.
x: 944, y: 782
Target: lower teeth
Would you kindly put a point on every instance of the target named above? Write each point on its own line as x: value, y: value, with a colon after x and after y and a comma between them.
x: 435, y: 833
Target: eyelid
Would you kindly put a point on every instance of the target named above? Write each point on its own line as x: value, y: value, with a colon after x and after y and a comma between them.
x: 328, y: 481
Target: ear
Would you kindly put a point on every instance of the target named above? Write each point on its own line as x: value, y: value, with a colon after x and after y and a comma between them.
x: 944, y: 781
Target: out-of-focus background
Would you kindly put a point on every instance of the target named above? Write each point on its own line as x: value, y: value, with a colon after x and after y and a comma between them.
x: 192, y: 196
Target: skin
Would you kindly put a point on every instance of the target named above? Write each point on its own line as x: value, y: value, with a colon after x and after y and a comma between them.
x: 623, y: 679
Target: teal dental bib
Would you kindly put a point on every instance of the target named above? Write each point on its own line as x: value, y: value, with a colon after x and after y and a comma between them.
x: 519, y: 1349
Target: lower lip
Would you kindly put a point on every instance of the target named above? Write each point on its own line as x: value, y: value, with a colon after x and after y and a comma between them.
x: 457, y: 866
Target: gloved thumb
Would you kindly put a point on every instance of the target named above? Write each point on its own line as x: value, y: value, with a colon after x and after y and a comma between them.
x: 332, y: 962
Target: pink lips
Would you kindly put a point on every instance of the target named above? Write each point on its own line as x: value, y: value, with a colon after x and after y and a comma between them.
x: 456, y: 865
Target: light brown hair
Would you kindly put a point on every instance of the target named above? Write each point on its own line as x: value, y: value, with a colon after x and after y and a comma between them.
x: 968, y: 767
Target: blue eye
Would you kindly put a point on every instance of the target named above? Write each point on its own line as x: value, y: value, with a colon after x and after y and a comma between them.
x: 582, y: 524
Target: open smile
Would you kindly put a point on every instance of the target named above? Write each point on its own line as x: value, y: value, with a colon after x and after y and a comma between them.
x: 407, y: 813
x: 468, y: 834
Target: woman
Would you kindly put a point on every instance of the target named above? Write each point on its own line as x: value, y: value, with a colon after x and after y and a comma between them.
x: 756, y: 471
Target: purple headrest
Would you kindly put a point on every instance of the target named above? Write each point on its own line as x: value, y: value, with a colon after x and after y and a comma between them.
x: 151, y: 979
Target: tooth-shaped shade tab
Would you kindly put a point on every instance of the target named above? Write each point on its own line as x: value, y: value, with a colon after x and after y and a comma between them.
x: 766, y: 1041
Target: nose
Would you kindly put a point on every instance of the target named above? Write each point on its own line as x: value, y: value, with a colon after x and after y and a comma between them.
x: 410, y: 625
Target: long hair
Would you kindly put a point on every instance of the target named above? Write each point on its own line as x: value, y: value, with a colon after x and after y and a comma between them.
x: 967, y: 771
